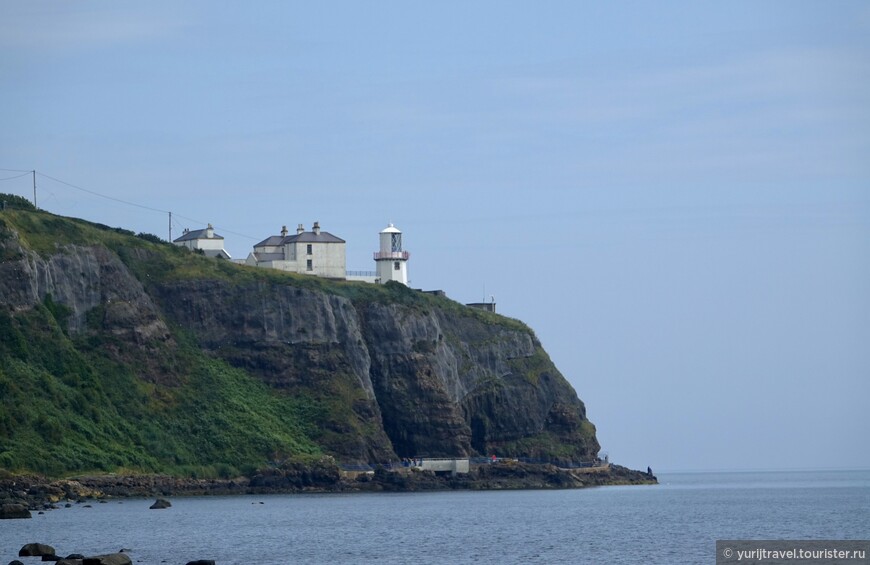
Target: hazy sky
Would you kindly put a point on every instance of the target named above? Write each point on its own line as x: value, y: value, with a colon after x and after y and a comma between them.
x: 675, y: 196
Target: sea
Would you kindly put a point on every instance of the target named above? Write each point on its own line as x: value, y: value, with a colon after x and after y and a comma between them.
x: 676, y: 521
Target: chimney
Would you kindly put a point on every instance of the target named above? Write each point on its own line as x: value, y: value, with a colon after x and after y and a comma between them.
x: 300, y: 230
x: 283, y: 231
x: 316, y: 228
x: 209, y: 232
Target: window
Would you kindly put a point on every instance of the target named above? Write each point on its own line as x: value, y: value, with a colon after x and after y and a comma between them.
x: 396, y: 266
x: 309, y: 249
x: 310, y: 265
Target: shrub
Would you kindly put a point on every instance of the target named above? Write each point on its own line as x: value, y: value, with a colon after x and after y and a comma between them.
x: 17, y: 202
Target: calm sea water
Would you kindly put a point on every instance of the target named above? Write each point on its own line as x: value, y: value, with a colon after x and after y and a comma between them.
x: 677, y: 521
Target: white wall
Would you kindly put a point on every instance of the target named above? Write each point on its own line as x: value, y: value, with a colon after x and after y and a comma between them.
x: 387, y: 272
x: 327, y: 259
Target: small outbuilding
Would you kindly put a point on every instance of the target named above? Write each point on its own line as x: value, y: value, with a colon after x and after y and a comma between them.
x: 205, y: 240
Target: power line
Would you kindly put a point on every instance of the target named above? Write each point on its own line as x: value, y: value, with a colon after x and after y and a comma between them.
x: 128, y: 203
x: 103, y: 195
x: 215, y: 227
x: 24, y: 174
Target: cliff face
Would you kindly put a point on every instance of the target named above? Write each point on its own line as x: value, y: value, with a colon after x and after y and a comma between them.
x: 391, y: 372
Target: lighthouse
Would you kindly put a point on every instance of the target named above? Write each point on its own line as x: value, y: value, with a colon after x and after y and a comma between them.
x: 391, y: 259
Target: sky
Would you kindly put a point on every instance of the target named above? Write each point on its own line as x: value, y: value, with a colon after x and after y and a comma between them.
x: 675, y: 196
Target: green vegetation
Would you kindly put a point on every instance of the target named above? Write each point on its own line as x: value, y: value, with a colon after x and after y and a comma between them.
x: 532, y: 368
x: 154, y: 260
x: 549, y: 446
x: 87, y: 400
x: 13, y: 201
x: 66, y: 407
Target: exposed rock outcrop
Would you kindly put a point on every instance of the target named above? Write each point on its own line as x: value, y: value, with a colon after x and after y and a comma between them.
x: 399, y: 375
x: 35, y: 550
x: 433, y: 382
x: 108, y: 559
x: 160, y: 504
x: 13, y: 511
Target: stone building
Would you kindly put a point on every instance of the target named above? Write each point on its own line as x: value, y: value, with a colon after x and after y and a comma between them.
x: 314, y: 252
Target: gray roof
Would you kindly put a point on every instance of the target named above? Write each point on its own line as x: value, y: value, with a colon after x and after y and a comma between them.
x: 197, y: 234
x: 274, y: 240
x: 304, y: 237
x: 311, y: 237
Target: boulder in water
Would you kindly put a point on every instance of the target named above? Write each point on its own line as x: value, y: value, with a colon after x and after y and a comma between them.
x: 13, y: 510
x: 109, y: 559
x: 160, y: 504
x: 35, y: 550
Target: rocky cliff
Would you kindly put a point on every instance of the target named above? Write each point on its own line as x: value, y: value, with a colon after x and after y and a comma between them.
x: 367, y: 373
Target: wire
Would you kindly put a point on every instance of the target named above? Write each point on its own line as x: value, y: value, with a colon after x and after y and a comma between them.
x: 120, y: 200
x: 103, y: 195
x: 17, y: 177
x: 215, y: 227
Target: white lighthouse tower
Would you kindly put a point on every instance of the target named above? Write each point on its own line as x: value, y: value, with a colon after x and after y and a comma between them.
x: 392, y: 260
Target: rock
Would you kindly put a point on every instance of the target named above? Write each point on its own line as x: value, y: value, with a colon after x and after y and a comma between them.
x: 75, y: 556
x: 201, y: 562
x: 160, y: 504
x: 418, y: 374
x: 70, y: 562
x: 109, y: 559
x: 51, y: 558
x: 15, y: 562
x: 35, y: 550
x: 13, y: 510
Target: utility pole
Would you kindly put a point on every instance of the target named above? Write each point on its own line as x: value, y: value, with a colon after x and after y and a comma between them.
x: 34, y: 189
x: 170, y: 227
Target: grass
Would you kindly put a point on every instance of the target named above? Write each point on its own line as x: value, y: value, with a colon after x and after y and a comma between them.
x: 154, y: 261
x: 67, y: 409
x: 92, y: 402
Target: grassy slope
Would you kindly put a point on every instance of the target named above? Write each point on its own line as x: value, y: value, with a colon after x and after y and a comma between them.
x: 66, y: 406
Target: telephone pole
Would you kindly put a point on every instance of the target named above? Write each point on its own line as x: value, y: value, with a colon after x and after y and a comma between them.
x: 34, y: 189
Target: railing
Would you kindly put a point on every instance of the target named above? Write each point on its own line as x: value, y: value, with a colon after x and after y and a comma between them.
x: 405, y: 255
x: 361, y: 273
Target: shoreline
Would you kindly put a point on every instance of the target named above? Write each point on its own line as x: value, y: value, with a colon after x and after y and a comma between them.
x: 37, y: 493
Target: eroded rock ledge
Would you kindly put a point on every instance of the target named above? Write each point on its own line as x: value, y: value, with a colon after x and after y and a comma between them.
x: 40, y: 493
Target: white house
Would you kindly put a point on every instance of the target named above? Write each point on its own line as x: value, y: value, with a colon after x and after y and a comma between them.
x: 207, y: 241
x: 317, y: 253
